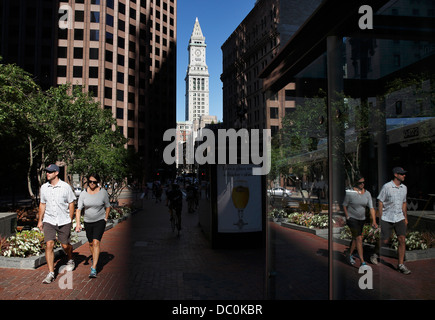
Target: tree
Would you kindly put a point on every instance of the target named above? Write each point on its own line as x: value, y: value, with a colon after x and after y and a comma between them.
x: 18, y: 101
x: 106, y: 155
x: 62, y: 124
x: 85, y: 136
x: 303, y: 137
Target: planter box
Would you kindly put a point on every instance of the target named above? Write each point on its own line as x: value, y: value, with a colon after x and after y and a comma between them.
x: 412, y: 255
x: 8, y: 223
x: 34, y: 262
x: 319, y: 232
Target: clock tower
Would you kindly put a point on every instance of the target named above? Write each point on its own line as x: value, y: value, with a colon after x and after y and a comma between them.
x: 197, y: 77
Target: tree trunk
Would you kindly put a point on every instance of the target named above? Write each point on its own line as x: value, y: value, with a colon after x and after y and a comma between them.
x: 29, y: 171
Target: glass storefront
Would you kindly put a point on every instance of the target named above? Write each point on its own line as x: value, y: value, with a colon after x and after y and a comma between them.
x: 365, y: 104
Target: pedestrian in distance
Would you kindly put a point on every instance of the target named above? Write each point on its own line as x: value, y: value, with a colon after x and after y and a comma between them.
x: 355, y: 203
x: 94, y: 200
x: 56, y: 210
x: 393, y: 215
x: 174, y: 201
x: 157, y: 191
x: 191, y: 196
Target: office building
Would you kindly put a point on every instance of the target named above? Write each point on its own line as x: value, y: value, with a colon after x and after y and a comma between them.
x: 252, y: 45
x: 124, y: 52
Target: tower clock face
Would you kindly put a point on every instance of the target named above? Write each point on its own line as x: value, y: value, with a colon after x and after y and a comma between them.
x: 198, y: 52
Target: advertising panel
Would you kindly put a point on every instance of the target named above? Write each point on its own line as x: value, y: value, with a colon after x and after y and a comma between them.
x: 238, y: 199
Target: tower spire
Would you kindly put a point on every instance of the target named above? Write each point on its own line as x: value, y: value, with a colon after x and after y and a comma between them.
x: 197, y: 33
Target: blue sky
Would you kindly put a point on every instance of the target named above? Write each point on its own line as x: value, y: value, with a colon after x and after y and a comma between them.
x: 218, y: 19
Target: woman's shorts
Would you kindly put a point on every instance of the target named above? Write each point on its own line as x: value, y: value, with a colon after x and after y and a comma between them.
x: 356, y: 226
x: 95, y: 230
x: 63, y: 232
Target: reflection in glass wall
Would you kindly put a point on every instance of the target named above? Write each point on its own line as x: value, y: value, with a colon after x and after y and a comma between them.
x: 365, y: 114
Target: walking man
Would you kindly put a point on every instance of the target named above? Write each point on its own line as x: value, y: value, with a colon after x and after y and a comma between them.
x: 56, y: 211
x: 393, y: 215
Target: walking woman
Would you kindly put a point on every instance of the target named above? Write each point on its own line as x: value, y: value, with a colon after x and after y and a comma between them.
x: 94, y: 200
x: 355, y: 203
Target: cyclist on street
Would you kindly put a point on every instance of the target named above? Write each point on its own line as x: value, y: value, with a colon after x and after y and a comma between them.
x: 175, y: 202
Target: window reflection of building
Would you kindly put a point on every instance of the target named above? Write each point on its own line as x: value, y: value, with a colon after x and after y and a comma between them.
x: 386, y: 79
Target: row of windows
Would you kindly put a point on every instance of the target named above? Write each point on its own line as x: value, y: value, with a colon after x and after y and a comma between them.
x: 93, y: 74
x: 130, y: 132
x: 274, y: 112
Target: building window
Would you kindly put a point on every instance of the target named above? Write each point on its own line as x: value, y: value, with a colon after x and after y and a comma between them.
x: 107, y: 93
x: 94, y: 35
x: 93, y: 53
x: 121, y: 42
x: 78, y: 53
x: 130, y: 115
x: 79, y: 16
x: 62, y: 52
x: 61, y: 71
x: 108, y: 74
x: 78, y: 34
x: 109, y: 56
x: 274, y: 130
x: 121, y: 8
x: 121, y: 25
x: 109, y: 38
x: 77, y: 71
x: 119, y: 113
x: 131, y: 97
x: 95, y: 16
x: 290, y: 95
x: 120, y: 77
x: 120, y: 60
x: 93, y: 72
x: 109, y: 20
x: 130, y: 133
x: 93, y: 90
x: 120, y: 95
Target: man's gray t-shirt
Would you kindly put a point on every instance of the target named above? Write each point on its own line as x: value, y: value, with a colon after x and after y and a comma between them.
x: 94, y: 205
x: 356, y: 204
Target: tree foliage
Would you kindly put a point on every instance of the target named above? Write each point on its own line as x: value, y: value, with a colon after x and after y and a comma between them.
x: 64, y: 123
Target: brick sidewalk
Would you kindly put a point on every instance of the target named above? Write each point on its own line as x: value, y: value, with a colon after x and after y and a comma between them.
x: 301, y: 266
x: 142, y: 259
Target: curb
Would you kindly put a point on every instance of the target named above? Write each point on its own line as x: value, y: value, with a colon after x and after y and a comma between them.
x: 34, y: 262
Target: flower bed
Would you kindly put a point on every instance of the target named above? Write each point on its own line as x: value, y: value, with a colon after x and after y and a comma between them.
x: 306, y: 219
x: 415, y: 240
x: 26, y: 243
x: 119, y: 212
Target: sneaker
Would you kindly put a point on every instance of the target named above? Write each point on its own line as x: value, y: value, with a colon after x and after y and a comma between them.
x: 364, y: 266
x: 49, y: 278
x: 403, y: 269
x: 70, y: 265
x: 351, y: 259
x: 93, y: 273
x: 374, y: 258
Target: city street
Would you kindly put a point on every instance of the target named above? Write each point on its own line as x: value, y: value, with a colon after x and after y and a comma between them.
x: 142, y: 259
